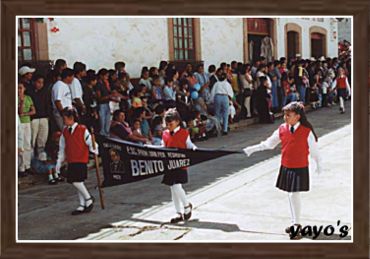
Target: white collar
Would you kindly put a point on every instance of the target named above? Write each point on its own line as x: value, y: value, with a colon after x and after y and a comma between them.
x: 176, y: 129
x: 73, y: 127
x: 295, y: 126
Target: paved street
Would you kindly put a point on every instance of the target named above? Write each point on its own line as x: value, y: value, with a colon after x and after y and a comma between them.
x: 44, y: 211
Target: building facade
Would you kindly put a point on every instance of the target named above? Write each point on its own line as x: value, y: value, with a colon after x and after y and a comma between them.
x: 100, y: 42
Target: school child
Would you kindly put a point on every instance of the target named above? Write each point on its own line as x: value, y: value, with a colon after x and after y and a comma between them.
x: 74, y: 146
x: 298, y: 139
x: 157, y: 135
x: 136, y: 131
x: 177, y: 137
x: 342, y: 86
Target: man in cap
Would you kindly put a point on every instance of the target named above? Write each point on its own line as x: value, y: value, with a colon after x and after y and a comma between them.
x: 26, y: 74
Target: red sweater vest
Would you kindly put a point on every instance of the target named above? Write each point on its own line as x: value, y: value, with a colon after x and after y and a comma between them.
x: 76, y: 150
x: 341, y: 82
x: 294, y: 147
x: 178, y: 140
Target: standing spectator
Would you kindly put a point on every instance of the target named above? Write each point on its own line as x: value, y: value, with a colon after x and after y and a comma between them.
x: 79, y: 69
x: 277, y: 66
x: 61, y: 96
x: 221, y: 93
x: 298, y: 80
x: 162, y: 71
x: 40, y: 120
x: 169, y: 93
x: 26, y: 74
x: 25, y: 110
x: 60, y: 65
x: 90, y: 100
x: 274, y: 86
x: 120, y: 68
x: 262, y: 101
x: 103, y: 93
x: 212, y: 76
x: 246, y: 81
x: 203, y: 80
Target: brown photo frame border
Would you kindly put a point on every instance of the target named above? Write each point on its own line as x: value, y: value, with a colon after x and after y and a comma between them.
x: 358, y: 249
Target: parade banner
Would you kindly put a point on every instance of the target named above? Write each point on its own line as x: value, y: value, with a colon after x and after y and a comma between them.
x: 125, y: 162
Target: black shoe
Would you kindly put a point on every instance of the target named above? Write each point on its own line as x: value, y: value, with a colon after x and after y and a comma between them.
x: 224, y: 133
x: 53, y: 181
x: 179, y: 218
x: 188, y: 215
x: 78, y: 212
x: 91, y: 206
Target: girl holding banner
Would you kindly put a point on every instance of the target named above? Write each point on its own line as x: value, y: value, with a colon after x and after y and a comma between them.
x: 74, y: 146
x: 177, y: 137
x: 298, y: 139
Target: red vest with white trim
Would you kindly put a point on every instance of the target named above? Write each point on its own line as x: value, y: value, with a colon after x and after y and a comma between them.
x: 294, y: 147
x: 178, y: 139
x: 341, y: 82
x: 76, y: 150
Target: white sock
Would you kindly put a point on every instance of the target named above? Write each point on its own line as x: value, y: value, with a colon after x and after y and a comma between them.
x: 295, y: 206
x: 341, y: 102
x: 176, y: 200
x: 84, y: 192
x: 181, y: 194
x: 82, y: 201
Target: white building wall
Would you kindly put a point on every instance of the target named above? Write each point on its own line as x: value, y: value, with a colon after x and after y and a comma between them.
x: 329, y: 24
x: 344, y: 29
x: 221, y: 40
x: 100, y: 42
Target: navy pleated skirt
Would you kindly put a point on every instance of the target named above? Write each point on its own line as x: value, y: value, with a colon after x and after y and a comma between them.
x: 76, y: 172
x: 293, y: 179
x: 175, y: 176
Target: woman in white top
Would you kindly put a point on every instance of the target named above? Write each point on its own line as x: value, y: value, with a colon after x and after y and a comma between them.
x: 245, y: 79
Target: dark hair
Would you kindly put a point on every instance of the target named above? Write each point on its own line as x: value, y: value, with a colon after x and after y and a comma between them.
x: 67, y: 72
x: 59, y: 63
x: 70, y: 112
x: 37, y: 77
x: 102, y: 72
x: 170, y: 79
x: 262, y: 80
x: 91, y: 78
x: 199, y: 66
x: 116, y: 113
x: 78, y: 67
x: 162, y: 64
x: 144, y: 70
x: 298, y: 108
x: 171, y: 115
x: 90, y: 72
x: 211, y: 68
x: 119, y: 64
x: 223, y: 64
x: 151, y: 71
x: 159, y: 109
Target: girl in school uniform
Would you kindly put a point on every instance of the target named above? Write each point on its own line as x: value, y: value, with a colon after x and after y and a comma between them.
x: 74, y: 146
x: 177, y: 137
x: 298, y: 139
x: 342, y: 86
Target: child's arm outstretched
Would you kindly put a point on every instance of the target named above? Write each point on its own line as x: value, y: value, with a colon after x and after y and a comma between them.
x: 270, y: 143
x: 314, y: 152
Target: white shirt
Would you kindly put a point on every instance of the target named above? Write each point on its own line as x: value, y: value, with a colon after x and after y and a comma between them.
x: 88, y: 141
x: 61, y: 92
x: 222, y: 87
x: 272, y: 141
x: 189, y: 143
x: 76, y: 89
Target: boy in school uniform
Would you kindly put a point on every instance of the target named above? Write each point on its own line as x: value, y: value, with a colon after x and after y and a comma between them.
x: 74, y: 146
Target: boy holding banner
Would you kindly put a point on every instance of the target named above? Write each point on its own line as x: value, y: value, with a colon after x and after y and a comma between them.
x: 74, y: 145
x: 177, y: 137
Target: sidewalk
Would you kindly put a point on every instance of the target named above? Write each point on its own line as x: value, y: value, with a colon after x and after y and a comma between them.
x: 246, y: 206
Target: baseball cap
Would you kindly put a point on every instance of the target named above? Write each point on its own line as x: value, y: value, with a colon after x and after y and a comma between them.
x: 25, y: 69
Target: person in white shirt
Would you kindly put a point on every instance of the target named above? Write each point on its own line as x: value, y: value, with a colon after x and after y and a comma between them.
x: 221, y: 93
x: 61, y: 96
x: 298, y: 139
x: 76, y: 87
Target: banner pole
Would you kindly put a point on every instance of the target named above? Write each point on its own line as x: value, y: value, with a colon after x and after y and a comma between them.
x: 97, y: 170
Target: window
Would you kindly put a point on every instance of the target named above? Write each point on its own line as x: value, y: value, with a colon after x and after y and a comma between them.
x: 26, y: 39
x: 183, y: 39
